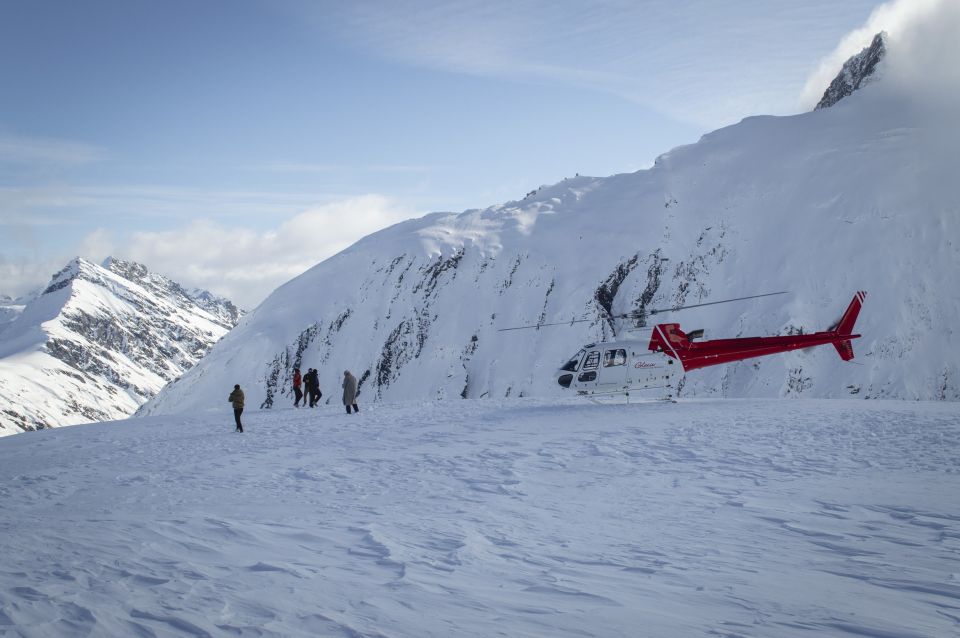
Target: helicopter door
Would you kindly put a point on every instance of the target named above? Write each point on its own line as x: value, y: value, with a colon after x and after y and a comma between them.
x: 613, y: 374
x: 589, y: 371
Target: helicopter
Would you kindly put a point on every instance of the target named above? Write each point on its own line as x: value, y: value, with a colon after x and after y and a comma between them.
x: 625, y: 365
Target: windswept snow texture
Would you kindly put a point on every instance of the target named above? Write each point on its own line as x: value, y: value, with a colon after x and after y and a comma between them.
x: 820, y: 204
x: 98, y: 342
x: 518, y: 517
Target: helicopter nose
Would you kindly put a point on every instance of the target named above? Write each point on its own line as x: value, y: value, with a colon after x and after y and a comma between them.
x: 565, y: 380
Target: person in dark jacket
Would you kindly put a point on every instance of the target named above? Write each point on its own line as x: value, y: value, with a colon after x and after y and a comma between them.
x: 307, y: 384
x: 312, y: 386
x: 317, y: 394
x: 350, y: 391
x: 236, y: 398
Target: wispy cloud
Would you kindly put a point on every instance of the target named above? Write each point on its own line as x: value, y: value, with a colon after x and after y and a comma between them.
x: 399, y: 168
x: 64, y: 204
x: 704, y: 62
x: 294, y: 167
x: 30, y: 151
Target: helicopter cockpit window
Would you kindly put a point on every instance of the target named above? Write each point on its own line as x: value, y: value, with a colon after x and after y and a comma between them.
x: 614, y: 358
x: 592, y: 362
x: 574, y: 362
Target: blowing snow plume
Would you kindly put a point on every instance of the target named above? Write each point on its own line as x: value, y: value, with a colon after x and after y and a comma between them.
x: 922, y: 51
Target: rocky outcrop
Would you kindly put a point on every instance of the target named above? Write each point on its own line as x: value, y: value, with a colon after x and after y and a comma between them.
x: 857, y: 71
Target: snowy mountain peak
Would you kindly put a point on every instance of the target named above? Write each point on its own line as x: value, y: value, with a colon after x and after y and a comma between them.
x: 99, y: 341
x: 62, y: 278
x: 857, y: 71
x: 129, y: 269
x: 225, y: 312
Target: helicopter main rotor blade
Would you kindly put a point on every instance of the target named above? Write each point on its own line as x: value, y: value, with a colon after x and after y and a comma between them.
x: 637, y: 315
x: 540, y: 325
x: 713, y: 303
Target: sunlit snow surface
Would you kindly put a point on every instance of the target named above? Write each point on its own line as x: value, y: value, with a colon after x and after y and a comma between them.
x: 490, y: 518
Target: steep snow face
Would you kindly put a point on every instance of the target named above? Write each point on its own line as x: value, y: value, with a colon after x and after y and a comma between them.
x: 820, y: 204
x: 98, y: 342
x: 856, y: 72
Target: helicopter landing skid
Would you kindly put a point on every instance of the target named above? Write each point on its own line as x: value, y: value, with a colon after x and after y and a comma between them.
x: 604, y: 398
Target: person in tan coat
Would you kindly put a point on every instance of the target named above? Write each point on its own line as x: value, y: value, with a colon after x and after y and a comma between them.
x: 236, y: 398
x: 350, y: 391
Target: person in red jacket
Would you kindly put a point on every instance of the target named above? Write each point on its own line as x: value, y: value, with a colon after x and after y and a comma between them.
x: 297, y: 380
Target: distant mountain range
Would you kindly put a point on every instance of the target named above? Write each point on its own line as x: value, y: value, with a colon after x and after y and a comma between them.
x: 821, y: 204
x: 98, y: 341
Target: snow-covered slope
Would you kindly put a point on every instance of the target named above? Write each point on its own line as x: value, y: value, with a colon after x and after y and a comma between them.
x: 519, y: 517
x: 98, y: 342
x: 853, y: 197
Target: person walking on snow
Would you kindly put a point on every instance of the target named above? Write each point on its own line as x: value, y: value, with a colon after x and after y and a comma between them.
x: 311, y: 387
x: 297, y: 380
x: 315, y: 393
x: 350, y: 391
x: 236, y: 398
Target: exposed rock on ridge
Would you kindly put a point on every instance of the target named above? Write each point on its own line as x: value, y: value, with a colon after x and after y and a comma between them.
x: 858, y: 70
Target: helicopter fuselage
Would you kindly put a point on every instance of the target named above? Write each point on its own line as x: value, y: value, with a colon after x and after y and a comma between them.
x: 623, y: 366
x: 620, y: 367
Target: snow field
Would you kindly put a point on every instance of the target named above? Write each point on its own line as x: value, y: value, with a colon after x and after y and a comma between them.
x: 520, y: 517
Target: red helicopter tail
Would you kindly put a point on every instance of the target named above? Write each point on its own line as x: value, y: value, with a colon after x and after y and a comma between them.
x: 672, y: 341
x: 845, y: 326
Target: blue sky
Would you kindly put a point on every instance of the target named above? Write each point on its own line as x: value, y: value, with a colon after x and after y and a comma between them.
x: 232, y: 144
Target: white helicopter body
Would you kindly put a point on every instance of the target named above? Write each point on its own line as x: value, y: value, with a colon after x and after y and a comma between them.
x: 620, y: 367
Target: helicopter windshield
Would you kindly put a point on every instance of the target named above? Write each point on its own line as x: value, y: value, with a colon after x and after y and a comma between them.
x: 574, y: 362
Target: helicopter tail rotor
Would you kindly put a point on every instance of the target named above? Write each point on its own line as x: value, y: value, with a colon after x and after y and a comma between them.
x: 844, y: 327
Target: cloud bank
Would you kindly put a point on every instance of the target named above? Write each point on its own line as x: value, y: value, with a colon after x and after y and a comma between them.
x: 241, y: 263
x: 245, y: 264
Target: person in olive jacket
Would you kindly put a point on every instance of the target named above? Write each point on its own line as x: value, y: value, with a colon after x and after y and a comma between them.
x: 350, y: 391
x: 236, y: 398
